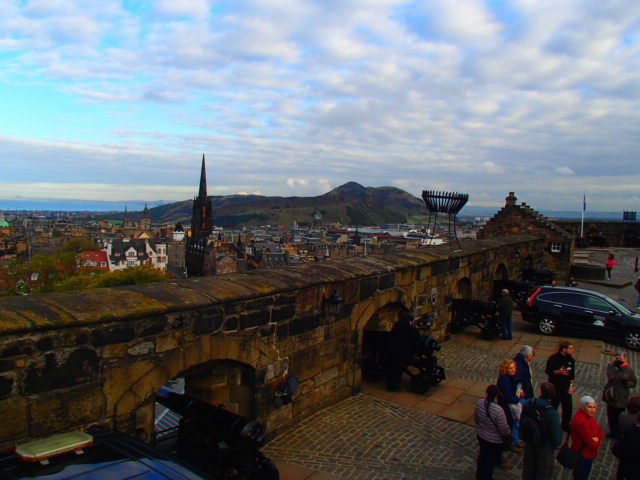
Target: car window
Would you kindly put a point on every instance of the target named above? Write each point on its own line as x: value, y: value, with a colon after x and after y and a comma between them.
x: 621, y: 307
x: 596, y: 303
x: 562, y: 298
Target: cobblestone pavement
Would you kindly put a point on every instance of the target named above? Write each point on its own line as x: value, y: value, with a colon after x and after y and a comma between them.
x: 379, y: 435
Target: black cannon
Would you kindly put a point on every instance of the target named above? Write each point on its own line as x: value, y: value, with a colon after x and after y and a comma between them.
x: 219, y: 442
x: 538, y: 277
x: 424, y: 370
x: 519, y: 290
x: 484, y: 315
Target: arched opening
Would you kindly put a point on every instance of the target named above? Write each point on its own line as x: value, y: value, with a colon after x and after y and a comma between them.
x: 375, y: 336
x: 400, y: 358
x: 222, y: 383
x: 206, y: 417
x: 228, y: 383
x: 501, y: 272
x: 463, y: 288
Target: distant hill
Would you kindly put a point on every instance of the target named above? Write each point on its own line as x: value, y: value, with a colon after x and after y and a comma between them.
x: 349, y: 204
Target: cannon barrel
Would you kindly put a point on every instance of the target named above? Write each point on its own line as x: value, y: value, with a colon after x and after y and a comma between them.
x: 236, y: 430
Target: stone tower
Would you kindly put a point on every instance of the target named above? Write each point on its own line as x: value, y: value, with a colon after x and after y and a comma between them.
x: 199, y: 255
x: 145, y: 220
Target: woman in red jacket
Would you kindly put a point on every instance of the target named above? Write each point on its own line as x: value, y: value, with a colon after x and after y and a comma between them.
x: 586, y: 437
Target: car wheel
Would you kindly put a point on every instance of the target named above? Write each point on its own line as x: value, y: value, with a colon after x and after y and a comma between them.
x: 547, y: 326
x: 632, y: 339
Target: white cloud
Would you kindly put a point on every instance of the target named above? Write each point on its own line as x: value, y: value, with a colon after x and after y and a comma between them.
x: 297, y: 97
x: 191, y: 8
x: 565, y: 171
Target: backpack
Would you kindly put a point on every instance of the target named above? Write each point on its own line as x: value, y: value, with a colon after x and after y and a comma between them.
x: 533, y: 423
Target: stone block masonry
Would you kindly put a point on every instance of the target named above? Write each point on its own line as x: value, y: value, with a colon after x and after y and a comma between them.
x: 76, y: 359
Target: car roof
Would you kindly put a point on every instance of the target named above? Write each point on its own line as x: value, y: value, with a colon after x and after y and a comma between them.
x: 112, y: 456
x: 552, y: 288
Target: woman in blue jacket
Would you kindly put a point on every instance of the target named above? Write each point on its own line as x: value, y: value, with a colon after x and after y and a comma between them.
x: 509, y: 400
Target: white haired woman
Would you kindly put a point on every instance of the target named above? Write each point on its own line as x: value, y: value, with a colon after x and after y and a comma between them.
x: 586, y: 437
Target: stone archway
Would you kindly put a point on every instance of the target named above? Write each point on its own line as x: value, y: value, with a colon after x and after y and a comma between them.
x: 228, y: 383
x: 375, y: 337
x: 217, y: 370
x: 501, y: 272
x: 463, y: 288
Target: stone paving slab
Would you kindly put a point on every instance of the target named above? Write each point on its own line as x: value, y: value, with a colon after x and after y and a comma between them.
x: 459, y: 411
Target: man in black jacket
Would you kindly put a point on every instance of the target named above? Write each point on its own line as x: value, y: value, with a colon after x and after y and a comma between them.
x: 402, y: 342
x: 561, y: 368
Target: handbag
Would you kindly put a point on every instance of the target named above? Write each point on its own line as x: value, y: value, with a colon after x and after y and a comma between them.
x: 609, y: 393
x: 567, y: 456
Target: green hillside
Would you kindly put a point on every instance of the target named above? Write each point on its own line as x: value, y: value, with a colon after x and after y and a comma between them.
x: 349, y: 204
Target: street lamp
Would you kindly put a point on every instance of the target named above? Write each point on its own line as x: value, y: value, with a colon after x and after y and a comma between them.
x: 333, y: 304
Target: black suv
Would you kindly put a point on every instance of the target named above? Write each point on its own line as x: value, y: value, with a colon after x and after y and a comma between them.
x: 584, y: 313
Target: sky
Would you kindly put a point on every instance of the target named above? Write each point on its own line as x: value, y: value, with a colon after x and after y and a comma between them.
x: 118, y: 100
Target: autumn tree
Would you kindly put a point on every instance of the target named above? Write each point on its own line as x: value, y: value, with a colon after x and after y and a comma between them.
x: 77, y: 245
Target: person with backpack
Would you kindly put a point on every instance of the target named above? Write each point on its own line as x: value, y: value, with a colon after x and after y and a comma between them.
x: 540, y: 429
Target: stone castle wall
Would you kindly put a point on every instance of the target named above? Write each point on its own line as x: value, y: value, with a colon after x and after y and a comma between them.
x: 71, y: 360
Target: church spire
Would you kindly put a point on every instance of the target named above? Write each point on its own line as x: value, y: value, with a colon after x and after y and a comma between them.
x: 202, y: 218
x: 203, y: 181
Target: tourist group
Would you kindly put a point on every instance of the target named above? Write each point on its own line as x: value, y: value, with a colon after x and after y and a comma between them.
x: 512, y: 418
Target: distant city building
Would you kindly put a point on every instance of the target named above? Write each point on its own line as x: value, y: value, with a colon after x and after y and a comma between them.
x: 125, y: 252
x: 95, y: 259
x: 200, y: 260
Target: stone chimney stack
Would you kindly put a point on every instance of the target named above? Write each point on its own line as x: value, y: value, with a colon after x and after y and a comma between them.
x: 511, y: 200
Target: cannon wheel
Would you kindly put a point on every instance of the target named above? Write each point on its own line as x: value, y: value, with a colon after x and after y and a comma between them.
x: 440, y: 375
